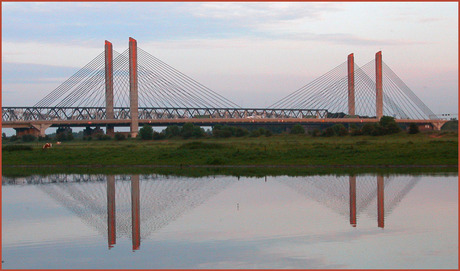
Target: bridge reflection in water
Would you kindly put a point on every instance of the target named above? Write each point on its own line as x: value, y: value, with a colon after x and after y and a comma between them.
x: 138, y: 205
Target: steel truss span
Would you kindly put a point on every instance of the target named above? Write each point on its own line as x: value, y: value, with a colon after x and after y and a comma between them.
x: 15, y: 114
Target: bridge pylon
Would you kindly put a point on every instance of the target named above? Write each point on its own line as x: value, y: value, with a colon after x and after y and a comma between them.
x: 378, y: 85
x: 351, y: 85
x: 133, y: 88
x: 109, y: 87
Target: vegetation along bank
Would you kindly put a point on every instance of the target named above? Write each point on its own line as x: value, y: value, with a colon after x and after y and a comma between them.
x: 379, y: 144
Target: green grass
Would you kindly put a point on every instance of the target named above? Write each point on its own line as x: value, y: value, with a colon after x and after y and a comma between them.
x: 400, y: 149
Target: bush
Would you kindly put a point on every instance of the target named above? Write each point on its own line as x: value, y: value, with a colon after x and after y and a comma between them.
x: 146, y: 132
x: 28, y: 138
x: 16, y: 148
x: 103, y: 137
x: 340, y: 130
x: 328, y: 132
x: 64, y: 136
x: 354, y: 130
x: 14, y: 138
x: 297, y: 130
x: 223, y: 131
x: 413, y: 129
x: 119, y: 136
x: 254, y: 133
x: 241, y: 132
x: 268, y: 133
x: 158, y: 136
x: 44, y: 138
x: 316, y: 132
x: 368, y: 128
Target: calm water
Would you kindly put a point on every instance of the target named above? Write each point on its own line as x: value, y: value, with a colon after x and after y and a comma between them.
x: 155, y: 221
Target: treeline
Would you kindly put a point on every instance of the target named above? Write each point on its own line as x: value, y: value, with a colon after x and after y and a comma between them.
x: 191, y: 131
x: 385, y: 126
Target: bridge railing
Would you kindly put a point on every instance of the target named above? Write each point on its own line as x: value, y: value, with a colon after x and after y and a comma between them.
x: 12, y: 114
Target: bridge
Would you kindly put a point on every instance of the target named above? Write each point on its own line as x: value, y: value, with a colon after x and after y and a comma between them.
x: 134, y: 88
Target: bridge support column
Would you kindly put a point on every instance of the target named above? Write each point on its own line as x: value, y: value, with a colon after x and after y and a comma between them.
x: 27, y: 131
x: 351, y: 85
x: 111, y: 221
x: 352, y: 181
x: 378, y: 85
x: 36, y: 130
x: 133, y: 93
x: 135, y: 212
x: 380, y: 202
x: 437, y: 125
x: 109, y: 86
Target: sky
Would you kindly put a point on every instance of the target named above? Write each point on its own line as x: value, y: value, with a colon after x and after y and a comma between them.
x: 251, y: 53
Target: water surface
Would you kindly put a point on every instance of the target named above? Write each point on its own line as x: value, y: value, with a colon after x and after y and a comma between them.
x: 157, y: 221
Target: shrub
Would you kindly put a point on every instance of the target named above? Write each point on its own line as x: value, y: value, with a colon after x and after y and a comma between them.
x: 241, y: 132
x: 354, y: 130
x: 316, y: 132
x: 268, y: 133
x: 44, y: 138
x: 340, y: 130
x: 158, y: 136
x: 14, y: 138
x: 28, y: 138
x: 223, y: 131
x: 328, y: 132
x: 413, y: 129
x: 368, y: 128
x: 297, y: 130
x: 254, y: 133
x: 64, y: 136
x: 103, y: 137
x: 119, y: 136
x: 146, y: 132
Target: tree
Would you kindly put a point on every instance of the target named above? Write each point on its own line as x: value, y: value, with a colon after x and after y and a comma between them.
x: 146, y: 132
x: 187, y: 130
x: 389, y: 125
x: 198, y: 132
x: 297, y: 130
x: 413, y: 129
x: 172, y: 131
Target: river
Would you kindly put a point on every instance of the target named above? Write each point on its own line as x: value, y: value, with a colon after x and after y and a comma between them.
x: 159, y: 221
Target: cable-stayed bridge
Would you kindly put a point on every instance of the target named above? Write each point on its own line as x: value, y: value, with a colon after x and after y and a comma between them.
x: 137, y: 206
x: 133, y: 88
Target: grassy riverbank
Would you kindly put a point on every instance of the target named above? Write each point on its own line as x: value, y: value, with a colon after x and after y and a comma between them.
x: 399, y: 149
